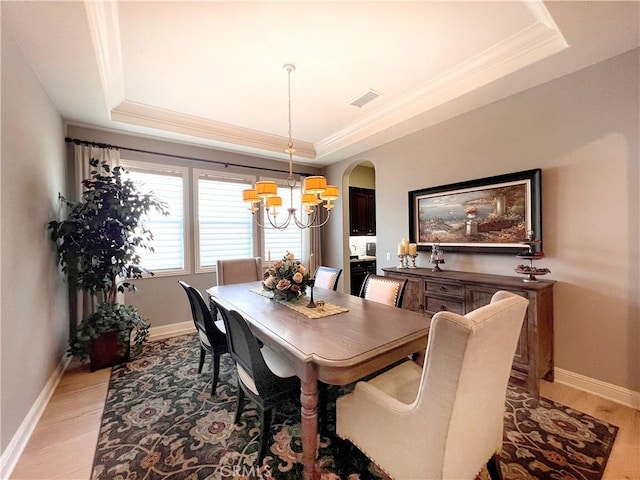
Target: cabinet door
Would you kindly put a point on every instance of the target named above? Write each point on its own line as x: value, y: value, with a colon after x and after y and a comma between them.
x: 413, y: 298
x: 359, y: 271
x: 371, y: 213
x: 356, y: 282
x: 476, y: 297
x: 362, y: 211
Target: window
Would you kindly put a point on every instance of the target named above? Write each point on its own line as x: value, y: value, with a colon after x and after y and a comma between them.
x: 278, y: 242
x: 169, y: 232
x: 224, y: 226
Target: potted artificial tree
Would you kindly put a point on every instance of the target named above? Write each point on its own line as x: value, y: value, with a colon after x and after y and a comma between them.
x: 96, y: 247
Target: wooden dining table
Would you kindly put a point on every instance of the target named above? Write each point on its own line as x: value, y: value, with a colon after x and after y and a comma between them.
x: 338, y: 349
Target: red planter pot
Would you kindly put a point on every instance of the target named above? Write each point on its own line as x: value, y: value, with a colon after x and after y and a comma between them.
x: 106, y: 351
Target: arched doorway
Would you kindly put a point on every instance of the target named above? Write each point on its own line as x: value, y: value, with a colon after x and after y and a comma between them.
x: 361, y: 232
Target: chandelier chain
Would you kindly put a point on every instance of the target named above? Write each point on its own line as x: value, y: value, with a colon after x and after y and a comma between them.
x: 312, y: 194
x: 289, y: 97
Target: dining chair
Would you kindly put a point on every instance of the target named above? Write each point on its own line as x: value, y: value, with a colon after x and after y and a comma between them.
x: 264, y: 376
x: 387, y: 290
x: 327, y: 277
x: 212, y: 338
x: 446, y: 417
x: 239, y: 270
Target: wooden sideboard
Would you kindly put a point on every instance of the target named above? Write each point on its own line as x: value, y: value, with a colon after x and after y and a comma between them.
x: 461, y: 292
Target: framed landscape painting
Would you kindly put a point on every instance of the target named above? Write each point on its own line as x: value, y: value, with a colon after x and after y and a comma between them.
x: 490, y: 215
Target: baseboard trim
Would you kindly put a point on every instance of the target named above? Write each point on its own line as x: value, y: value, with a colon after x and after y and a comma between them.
x: 16, y: 446
x: 173, y: 330
x: 18, y: 442
x: 625, y: 396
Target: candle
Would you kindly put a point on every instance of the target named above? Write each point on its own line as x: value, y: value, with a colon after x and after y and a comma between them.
x: 413, y: 249
x: 401, y: 250
x: 405, y: 243
x: 311, y: 266
x: 269, y: 258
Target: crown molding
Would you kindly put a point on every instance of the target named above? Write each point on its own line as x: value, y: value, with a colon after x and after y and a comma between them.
x: 225, y: 134
x: 105, y: 33
x: 539, y: 40
x: 102, y: 18
x: 528, y: 46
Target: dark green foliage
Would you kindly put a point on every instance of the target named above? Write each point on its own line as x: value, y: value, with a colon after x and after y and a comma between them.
x: 124, y: 318
x: 99, y: 238
x: 96, y: 245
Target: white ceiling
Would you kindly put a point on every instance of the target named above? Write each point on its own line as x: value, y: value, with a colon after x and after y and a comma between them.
x: 211, y: 72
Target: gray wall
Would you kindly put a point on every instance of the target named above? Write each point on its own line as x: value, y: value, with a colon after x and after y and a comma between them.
x: 33, y: 316
x: 160, y: 299
x: 583, y: 131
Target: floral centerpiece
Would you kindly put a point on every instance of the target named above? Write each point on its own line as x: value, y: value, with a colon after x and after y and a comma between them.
x: 286, y: 278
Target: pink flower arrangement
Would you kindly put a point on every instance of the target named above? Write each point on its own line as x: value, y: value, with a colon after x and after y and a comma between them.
x: 286, y: 278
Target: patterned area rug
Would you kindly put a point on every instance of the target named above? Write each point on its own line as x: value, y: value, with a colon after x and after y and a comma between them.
x: 161, y: 423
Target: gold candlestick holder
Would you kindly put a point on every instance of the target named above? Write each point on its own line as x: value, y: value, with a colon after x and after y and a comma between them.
x: 413, y: 261
x: 403, y: 261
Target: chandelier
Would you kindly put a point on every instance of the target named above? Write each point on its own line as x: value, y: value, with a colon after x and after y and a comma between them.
x: 315, y: 192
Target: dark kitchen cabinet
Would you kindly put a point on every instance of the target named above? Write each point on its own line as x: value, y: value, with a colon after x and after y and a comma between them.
x: 359, y: 271
x: 362, y: 211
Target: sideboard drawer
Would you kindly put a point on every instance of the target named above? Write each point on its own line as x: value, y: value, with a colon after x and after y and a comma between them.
x: 438, y: 304
x: 463, y: 292
x: 449, y: 289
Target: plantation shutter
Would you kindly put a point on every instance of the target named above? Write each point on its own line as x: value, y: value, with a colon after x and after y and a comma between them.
x: 168, y: 231
x: 225, y: 227
x: 278, y: 242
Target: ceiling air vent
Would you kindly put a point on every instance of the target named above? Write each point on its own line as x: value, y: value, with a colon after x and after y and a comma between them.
x: 365, y: 98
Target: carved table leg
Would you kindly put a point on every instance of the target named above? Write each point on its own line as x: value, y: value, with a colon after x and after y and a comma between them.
x: 309, y: 419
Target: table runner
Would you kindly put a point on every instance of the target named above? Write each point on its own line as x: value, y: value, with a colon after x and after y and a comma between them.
x: 301, y: 305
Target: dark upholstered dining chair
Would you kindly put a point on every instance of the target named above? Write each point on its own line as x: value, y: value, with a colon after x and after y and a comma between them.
x: 327, y: 277
x: 212, y: 338
x: 387, y: 290
x: 265, y: 377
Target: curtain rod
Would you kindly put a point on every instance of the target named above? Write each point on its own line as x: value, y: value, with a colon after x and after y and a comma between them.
x: 77, y: 141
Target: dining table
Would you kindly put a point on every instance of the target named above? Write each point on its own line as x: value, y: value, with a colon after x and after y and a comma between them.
x: 347, y: 339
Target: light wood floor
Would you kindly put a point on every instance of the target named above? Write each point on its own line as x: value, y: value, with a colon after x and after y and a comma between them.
x: 63, y: 443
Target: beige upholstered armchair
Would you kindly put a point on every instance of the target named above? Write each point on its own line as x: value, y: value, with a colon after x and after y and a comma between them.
x: 443, y: 421
x: 239, y: 270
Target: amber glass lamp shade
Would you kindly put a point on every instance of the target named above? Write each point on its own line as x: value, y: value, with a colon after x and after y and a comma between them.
x: 266, y: 189
x: 249, y: 195
x: 309, y: 199
x: 274, y: 202
x: 330, y: 193
x: 315, y: 184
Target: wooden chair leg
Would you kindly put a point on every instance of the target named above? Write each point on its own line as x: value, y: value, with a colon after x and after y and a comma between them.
x: 493, y: 466
x: 216, y: 373
x: 266, y: 426
x: 203, y: 352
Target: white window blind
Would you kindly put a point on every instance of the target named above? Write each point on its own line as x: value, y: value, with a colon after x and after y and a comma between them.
x: 168, y: 231
x: 278, y: 242
x: 225, y: 228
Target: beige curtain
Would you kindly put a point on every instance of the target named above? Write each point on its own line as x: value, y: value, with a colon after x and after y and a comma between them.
x: 82, y: 169
x: 82, y: 304
x: 311, y: 240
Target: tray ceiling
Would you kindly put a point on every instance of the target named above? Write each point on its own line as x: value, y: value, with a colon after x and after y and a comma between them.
x: 211, y: 73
